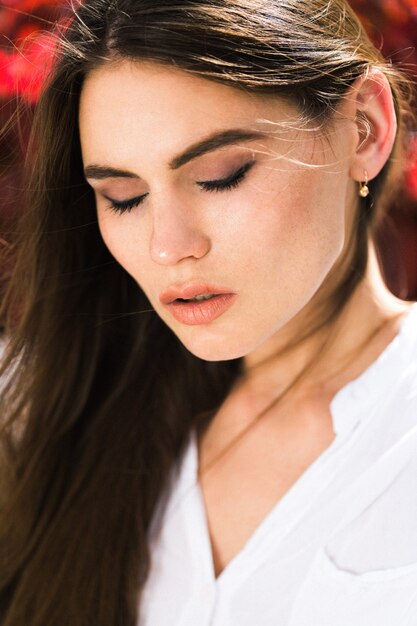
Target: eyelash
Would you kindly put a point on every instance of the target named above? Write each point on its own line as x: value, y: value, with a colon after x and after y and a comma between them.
x: 226, y: 184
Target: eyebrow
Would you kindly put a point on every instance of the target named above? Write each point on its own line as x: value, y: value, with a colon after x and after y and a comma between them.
x: 209, y: 144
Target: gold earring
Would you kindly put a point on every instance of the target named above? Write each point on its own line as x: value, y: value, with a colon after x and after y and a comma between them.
x: 363, y: 187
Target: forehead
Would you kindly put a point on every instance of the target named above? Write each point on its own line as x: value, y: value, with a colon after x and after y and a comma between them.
x: 133, y: 106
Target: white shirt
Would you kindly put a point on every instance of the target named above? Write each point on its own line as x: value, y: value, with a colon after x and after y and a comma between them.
x: 338, y: 549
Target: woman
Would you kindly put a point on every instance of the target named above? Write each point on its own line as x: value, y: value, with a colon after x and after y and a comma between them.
x: 210, y: 408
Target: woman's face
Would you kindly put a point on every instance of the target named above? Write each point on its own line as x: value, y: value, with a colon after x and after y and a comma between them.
x: 237, y: 215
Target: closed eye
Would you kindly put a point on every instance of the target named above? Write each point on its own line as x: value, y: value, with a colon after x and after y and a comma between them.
x: 227, y: 183
x: 125, y: 206
x: 224, y: 184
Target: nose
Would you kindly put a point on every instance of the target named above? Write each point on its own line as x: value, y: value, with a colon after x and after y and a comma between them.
x: 176, y: 235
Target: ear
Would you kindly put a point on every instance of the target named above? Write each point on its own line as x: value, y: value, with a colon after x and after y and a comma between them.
x: 376, y: 124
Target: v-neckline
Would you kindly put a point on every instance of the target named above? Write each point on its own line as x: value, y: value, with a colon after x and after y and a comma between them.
x: 345, y: 408
x: 288, y: 509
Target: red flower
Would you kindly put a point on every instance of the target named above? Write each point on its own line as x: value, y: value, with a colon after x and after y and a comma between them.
x: 22, y: 71
x: 30, y: 6
x: 24, y: 62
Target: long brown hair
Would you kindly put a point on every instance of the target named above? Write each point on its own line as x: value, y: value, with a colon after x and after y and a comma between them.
x: 99, y: 395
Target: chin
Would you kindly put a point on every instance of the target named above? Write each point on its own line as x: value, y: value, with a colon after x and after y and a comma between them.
x: 215, y: 348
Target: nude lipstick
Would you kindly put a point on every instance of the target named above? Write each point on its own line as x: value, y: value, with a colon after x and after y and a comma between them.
x: 195, y: 303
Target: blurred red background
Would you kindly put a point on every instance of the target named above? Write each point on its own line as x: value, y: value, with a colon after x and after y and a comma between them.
x: 25, y: 51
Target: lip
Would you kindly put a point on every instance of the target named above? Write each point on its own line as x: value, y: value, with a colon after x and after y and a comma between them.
x: 203, y: 312
x: 199, y: 312
x: 191, y: 290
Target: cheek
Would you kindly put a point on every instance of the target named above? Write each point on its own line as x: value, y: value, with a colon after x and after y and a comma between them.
x: 298, y: 235
x: 304, y: 218
x: 122, y: 238
x: 310, y: 225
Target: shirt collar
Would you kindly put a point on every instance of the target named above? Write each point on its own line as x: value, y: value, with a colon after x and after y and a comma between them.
x: 354, y: 401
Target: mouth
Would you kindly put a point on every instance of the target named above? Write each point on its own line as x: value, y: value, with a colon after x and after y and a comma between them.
x: 200, y: 298
x: 192, y: 291
x: 197, y: 304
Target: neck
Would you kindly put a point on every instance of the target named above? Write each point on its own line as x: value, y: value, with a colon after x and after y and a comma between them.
x: 372, y: 314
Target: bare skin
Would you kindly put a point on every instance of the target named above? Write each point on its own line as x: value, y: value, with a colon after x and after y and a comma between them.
x: 279, y: 241
x: 244, y: 485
